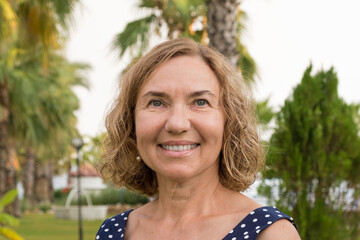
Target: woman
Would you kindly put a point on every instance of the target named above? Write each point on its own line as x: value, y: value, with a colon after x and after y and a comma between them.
x: 183, y: 131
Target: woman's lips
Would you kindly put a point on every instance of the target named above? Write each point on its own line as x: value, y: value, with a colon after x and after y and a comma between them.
x: 179, y: 147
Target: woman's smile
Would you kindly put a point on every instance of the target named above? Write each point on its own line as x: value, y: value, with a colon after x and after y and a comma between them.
x: 179, y: 148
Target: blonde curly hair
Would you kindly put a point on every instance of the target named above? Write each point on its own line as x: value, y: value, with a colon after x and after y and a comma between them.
x: 241, y: 155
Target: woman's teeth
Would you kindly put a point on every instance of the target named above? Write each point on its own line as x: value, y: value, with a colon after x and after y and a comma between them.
x: 179, y: 148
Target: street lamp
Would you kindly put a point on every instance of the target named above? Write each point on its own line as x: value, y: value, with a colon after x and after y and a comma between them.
x: 77, y: 143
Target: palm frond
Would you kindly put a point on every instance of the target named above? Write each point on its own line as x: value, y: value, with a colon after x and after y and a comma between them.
x: 135, y: 35
x: 41, y: 105
x: 147, y: 4
x: 247, y: 65
x: 8, y: 19
x: 265, y: 113
x: 64, y: 10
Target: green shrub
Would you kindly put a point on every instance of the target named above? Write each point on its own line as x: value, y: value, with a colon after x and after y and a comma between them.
x: 133, y: 198
x: 113, y: 196
x: 61, y: 193
x: 24, y: 204
x: 44, y: 207
x: 107, y: 196
x: 60, y: 196
x: 314, y: 154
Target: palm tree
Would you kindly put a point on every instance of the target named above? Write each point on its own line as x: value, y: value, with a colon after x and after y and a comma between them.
x: 44, y: 111
x: 63, y: 129
x: 208, y: 23
x: 32, y: 26
x: 175, y: 16
x: 6, y: 167
x: 43, y: 25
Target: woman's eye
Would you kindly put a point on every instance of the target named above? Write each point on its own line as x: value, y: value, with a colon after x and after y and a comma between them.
x: 201, y: 102
x: 155, y: 103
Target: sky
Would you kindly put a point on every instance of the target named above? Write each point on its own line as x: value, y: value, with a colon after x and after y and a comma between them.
x: 283, y: 36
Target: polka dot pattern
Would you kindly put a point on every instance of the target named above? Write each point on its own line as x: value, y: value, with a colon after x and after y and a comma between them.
x: 249, y: 228
x: 258, y: 220
x: 113, y: 228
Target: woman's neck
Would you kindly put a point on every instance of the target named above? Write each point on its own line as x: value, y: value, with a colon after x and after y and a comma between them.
x: 193, y: 198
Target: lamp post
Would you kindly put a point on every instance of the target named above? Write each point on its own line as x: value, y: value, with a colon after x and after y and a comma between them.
x: 77, y: 143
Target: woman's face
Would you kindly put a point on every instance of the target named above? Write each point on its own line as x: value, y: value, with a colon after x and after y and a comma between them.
x: 179, y: 121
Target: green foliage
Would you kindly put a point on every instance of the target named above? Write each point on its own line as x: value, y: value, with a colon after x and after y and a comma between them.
x: 61, y: 193
x: 7, y: 18
x: 132, y: 198
x: 25, y: 205
x: 107, y: 196
x: 246, y: 63
x: 44, y: 207
x: 134, y: 36
x: 36, y: 79
x: 64, y: 10
x: 60, y: 196
x: 7, y: 198
x: 264, y: 112
x: 315, y: 152
x: 6, y: 219
x: 176, y: 16
x: 180, y: 18
x: 112, y: 196
x: 37, y: 116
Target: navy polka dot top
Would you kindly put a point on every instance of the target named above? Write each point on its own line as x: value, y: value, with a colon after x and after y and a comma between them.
x: 248, y: 228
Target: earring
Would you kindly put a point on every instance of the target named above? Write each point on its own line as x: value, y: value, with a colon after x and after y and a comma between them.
x: 138, y: 158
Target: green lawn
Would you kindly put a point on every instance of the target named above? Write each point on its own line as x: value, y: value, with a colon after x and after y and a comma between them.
x: 46, y: 226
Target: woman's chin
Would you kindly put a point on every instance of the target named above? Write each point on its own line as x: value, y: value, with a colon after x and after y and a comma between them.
x: 178, y: 175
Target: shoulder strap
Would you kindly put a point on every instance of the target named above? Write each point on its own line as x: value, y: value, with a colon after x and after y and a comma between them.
x: 257, y: 221
x: 113, y: 227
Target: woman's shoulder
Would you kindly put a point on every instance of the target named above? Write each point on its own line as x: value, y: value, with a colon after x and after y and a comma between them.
x: 278, y: 225
x: 113, y: 227
x: 262, y: 222
x: 281, y: 229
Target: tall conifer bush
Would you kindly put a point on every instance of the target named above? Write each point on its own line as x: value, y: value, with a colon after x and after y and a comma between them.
x: 314, y: 159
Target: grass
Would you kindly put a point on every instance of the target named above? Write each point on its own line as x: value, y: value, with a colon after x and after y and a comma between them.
x: 46, y: 226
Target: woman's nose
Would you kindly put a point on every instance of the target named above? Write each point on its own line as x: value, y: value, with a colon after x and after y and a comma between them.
x: 178, y: 120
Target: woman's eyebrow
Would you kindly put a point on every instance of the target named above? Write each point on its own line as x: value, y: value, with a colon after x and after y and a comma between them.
x: 201, y: 93
x: 192, y: 95
x: 155, y: 94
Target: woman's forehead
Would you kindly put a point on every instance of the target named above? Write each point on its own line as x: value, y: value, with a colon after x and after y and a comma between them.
x: 182, y: 73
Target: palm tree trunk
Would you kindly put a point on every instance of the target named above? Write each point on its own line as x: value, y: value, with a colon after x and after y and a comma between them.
x: 7, y: 169
x: 4, y: 125
x: 14, y: 207
x: 28, y: 177
x: 222, y: 27
x: 44, y: 190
